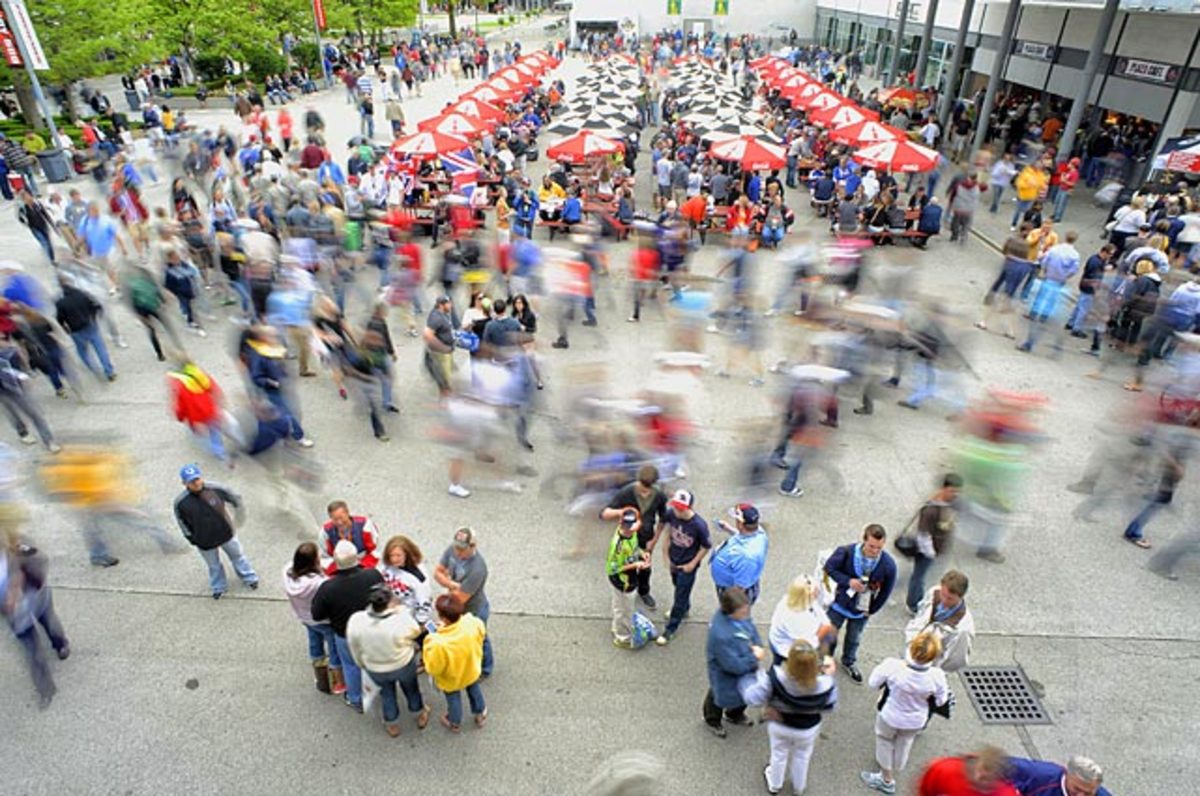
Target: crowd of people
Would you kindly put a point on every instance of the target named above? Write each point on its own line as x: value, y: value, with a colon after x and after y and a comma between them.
x: 307, y: 254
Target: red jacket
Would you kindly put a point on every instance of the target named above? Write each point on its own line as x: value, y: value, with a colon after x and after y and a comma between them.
x: 195, y: 397
x: 948, y: 777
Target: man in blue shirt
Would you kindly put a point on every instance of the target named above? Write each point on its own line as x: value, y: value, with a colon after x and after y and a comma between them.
x: 741, y: 559
x: 100, y: 236
x: 865, y: 575
x: 1081, y: 777
x: 1059, y: 264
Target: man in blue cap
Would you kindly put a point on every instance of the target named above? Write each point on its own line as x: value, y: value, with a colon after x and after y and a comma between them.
x: 741, y: 559
x: 202, y: 513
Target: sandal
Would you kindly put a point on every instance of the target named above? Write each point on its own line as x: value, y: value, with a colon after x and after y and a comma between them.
x: 1142, y: 543
x: 423, y: 718
x: 481, y: 719
x: 451, y: 727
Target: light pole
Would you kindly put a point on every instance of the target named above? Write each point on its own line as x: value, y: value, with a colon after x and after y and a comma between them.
x: 35, y: 84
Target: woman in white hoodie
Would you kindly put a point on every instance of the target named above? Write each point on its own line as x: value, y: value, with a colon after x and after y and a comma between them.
x: 383, y: 642
x: 904, y: 706
x: 300, y: 582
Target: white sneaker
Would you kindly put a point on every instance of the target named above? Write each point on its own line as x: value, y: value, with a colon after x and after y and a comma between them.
x: 28, y: 439
x: 458, y: 490
x: 305, y: 442
x: 121, y: 343
x: 712, y: 329
x: 511, y: 486
x: 771, y: 313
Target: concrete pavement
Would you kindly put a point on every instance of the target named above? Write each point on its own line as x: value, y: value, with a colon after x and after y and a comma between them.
x: 1105, y: 639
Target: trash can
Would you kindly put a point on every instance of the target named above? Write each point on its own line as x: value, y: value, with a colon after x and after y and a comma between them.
x: 134, y: 100
x: 54, y: 165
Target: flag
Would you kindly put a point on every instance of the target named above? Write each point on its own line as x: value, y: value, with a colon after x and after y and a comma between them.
x: 462, y: 169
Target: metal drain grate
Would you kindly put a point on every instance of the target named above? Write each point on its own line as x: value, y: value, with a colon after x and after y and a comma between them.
x: 1002, y: 695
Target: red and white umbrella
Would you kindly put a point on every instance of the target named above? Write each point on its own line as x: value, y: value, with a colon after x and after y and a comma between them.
x: 809, y: 89
x: 428, y: 145
x: 579, y: 147
x: 490, y: 94
x: 750, y: 153
x: 821, y: 101
x: 865, y: 133
x: 477, y: 109
x: 454, y: 124
x: 841, y: 115
x: 902, y: 156
x: 502, y: 85
x: 765, y: 60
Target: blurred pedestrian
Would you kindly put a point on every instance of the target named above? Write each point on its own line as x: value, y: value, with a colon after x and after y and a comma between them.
x: 981, y: 774
x: 933, y: 537
x: 26, y: 602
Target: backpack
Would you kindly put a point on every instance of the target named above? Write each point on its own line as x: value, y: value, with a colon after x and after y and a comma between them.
x: 144, y: 294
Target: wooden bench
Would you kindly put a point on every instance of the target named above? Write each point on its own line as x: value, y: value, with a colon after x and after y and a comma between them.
x: 913, y: 236
x: 554, y: 225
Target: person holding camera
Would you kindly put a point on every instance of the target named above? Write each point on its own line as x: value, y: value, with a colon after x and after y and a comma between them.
x: 865, y: 575
x: 626, y: 559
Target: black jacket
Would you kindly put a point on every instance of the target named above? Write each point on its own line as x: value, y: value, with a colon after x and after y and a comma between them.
x: 343, y: 595
x: 76, y: 310
x: 202, y: 516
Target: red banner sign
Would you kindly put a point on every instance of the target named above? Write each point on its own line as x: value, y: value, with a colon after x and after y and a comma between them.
x: 8, y: 44
x: 319, y: 13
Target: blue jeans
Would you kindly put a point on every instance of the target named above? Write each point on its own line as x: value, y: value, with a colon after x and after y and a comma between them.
x: 683, y: 582
x: 1095, y: 172
x: 454, y: 707
x: 997, y: 192
x: 216, y: 571
x: 1022, y: 206
x: 772, y: 236
x: 321, y: 639
x: 91, y: 337
x: 1082, y: 308
x: 916, y: 584
x: 285, y: 412
x: 854, y: 631
x: 406, y: 678
x: 43, y: 240
x: 1135, y: 527
x: 1060, y: 204
x: 350, y: 672
x: 489, y: 661
x: 792, y: 475
x: 950, y: 394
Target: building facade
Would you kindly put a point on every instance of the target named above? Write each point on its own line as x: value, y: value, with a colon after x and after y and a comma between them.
x: 1150, y: 67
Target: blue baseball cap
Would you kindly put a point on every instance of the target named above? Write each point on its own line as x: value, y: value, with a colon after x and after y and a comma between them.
x: 746, y: 514
x: 189, y: 473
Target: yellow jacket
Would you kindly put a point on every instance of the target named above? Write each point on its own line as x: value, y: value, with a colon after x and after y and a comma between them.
x: 454, y: 654
x: 555, y: 191
x: 1031, y: 183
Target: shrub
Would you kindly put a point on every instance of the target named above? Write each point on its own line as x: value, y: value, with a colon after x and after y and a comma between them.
x: 264, y: 61
x: 210, y: 67
x: 307, y: 55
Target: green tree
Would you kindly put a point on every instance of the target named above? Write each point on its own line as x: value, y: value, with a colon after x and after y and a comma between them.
x: 79, y: 46
x: 371, y: 16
